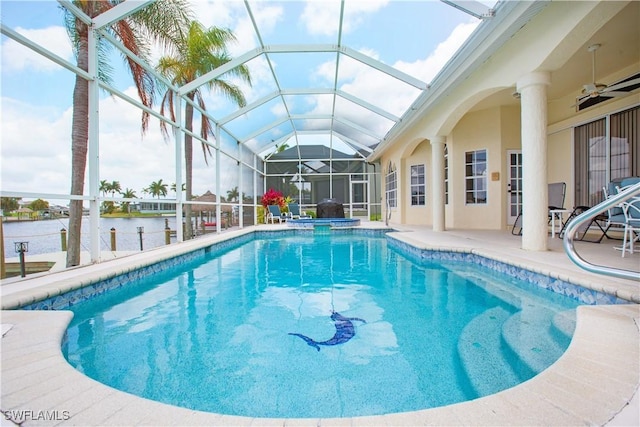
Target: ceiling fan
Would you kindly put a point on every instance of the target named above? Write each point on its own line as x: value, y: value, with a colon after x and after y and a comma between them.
x: 594, y: 92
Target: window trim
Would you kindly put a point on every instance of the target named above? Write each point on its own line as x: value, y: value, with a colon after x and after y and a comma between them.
x: 391, y: 186
x: 446, y: 174
x: 417, y: 198
x: 475, y: 178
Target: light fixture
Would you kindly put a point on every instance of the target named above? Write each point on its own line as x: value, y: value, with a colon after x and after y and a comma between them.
x: 21, y: 248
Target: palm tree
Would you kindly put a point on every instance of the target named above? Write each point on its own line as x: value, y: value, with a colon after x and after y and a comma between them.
x: 163, y: 21
x: 127, y: 194
x: 201, y: 51
x: 157, y: 189
x: 114, y: 187
x: 232, y: 195
x: 104, y: 187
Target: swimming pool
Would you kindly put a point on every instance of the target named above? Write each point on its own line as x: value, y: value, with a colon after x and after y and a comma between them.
x: 223, y: 333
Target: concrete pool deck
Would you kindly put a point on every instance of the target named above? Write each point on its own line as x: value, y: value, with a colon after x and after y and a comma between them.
x: 595, y: 382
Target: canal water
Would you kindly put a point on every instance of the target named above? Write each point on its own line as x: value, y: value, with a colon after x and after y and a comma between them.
x: 44, y: 235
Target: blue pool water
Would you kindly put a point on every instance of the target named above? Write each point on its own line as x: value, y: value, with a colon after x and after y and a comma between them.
x: 334, y: 325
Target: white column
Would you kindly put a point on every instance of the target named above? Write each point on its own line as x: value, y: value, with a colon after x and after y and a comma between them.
x: 179, y: 156
x: 437, y: 182
x: 94, y: 149
x: 218, y: 184
x: 533, y: 100
x: 240, y: 187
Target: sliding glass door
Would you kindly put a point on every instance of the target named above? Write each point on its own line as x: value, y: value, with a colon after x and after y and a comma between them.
x: 605, y: 149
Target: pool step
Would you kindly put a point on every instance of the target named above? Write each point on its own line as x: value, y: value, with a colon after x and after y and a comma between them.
x: 481, y: 356
x: 562, y: 327
x: 529, y: 338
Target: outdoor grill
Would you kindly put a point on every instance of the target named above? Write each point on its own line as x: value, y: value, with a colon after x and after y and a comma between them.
x: 330, y: 208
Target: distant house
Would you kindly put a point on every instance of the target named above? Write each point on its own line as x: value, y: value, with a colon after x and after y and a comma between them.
x: 57, y: 210
x: 158, y: 207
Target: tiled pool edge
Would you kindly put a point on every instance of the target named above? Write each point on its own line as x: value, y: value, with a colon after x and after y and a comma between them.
x: 546, y: 280
x: 66, y: 295
x: 590, y: 384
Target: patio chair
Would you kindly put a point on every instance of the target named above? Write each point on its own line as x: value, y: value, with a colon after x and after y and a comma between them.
x: 631, y: 212
x: 615, y: 215
x: 631, y: 209
x: 275, y: 213
x: 598, y: 221
x: 555, y: 201
x: 294, y: 212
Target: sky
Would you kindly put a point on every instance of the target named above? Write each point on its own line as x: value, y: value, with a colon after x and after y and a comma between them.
x: 416, y: 37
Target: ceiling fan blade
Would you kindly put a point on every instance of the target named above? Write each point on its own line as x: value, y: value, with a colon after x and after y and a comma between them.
x: 622, y: 85
x: 580, y: 100
x: 613, y: 94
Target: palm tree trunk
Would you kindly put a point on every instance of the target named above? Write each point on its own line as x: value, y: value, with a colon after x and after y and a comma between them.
x: 79, y: 141
x: 188, y: 165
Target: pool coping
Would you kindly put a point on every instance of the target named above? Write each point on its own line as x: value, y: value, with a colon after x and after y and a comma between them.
x: 591, y: 383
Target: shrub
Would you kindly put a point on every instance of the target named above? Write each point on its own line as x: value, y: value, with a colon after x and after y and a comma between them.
x: 273, y: 197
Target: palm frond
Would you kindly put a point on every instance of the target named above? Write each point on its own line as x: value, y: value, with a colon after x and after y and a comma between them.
x: 206, y: 128
x: 164, y: 21
x: 167, y: 100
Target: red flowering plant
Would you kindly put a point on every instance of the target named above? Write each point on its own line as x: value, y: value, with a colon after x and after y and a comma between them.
x: 273, y: 197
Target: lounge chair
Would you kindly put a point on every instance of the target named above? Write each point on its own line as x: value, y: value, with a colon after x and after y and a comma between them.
x: 294, y: 212
x: 556, y: 193
x: 275, y: 213
x: 598, y: 221
x: 555, y: 200
x: 613, y: 218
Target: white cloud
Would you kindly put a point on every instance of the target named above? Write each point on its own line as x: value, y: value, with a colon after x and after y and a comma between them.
x: 426, y: 69
x: 16, y: 57
x: 278, y: 109
x: 319, y: 16
x: 379, y: 89
x: 215, y: 12
x: 35, y: 151
x: 233, y: 15
x: 356, y: 10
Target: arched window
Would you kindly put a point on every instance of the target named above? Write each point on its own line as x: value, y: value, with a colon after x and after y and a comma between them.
x: 446, y: 174
x: 391, y: 186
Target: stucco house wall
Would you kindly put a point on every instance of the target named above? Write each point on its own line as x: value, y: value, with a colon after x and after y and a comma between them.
x: 420, y: 214
x: 544, y: 44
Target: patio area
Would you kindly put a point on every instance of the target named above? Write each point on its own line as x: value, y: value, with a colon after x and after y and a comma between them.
x: 594, y: 382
